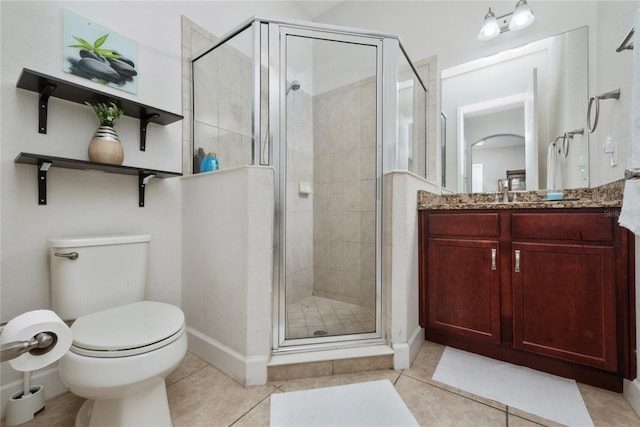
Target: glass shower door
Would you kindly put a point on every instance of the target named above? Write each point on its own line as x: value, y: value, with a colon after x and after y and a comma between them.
x: 329, y: 203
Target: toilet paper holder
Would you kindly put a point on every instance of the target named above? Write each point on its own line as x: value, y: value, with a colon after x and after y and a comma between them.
x: 23, y: 405
x: 39, y: 344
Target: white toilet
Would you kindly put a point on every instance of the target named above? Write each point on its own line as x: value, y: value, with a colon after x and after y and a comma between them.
x: 123, y: 347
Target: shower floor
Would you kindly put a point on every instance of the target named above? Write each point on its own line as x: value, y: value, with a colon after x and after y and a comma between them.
x: 318, y: 316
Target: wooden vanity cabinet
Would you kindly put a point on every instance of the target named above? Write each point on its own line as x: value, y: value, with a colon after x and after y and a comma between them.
x: 463, y: 295
x: 546, y: 288
x: 564, y: 286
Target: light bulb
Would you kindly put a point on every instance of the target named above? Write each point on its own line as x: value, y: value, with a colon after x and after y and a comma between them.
x: 522, y: 16
x: 490, y: 28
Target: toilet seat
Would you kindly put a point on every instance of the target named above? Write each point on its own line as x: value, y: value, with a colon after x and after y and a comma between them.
x: 127, y: 330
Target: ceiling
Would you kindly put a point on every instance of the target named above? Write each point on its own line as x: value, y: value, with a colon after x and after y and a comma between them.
x: 315, y: 8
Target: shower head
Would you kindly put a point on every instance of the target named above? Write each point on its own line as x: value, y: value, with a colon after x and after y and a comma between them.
x: 295, y: 85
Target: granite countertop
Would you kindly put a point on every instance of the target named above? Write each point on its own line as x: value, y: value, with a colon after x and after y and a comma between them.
x: 608, y: 195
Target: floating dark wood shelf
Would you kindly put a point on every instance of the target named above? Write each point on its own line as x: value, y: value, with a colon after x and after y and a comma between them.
x: 44, y: 162
x: 48, y: 86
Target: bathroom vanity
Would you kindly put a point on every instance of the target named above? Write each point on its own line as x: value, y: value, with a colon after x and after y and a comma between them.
x: 543, y: 284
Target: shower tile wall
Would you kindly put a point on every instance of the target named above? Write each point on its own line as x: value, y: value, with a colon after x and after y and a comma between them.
x: 300, y: 167
x: 222, y: 111
x: 427, y: 68
x: 194, y: 39
x: 344, y: 162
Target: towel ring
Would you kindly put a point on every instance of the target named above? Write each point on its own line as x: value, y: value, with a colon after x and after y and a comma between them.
x: 614, y: 94
x: 566, y: 139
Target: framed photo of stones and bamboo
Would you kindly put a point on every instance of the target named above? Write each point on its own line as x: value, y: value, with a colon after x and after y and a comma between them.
x: 97, y: 53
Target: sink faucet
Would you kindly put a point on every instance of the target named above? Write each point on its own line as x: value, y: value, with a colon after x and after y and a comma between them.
x: 504, y: 186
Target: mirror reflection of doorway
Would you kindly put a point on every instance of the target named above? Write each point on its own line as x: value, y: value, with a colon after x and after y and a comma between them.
x: 492, y: 157
x: 490, y: 128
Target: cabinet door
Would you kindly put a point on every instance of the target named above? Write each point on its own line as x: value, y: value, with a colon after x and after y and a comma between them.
x: 564, y: 302
x: 463, y: 289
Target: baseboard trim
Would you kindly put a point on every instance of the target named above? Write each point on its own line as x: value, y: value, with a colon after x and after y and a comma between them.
x: 49, y: 378
x: 405, y: 353
x: 416, y: 340
x: 631, y: 392
x: 245, y: 370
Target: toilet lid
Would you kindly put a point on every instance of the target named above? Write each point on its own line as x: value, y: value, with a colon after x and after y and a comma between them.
x: 126, y: 328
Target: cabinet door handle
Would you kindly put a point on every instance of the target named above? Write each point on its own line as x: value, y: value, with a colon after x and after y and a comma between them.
x: 493, y: 258
x: 517, y: 269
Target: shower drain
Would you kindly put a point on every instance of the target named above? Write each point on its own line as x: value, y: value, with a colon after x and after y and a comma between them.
x: 319, y: 333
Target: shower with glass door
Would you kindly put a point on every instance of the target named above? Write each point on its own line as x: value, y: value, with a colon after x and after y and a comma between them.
x: 331, y: 109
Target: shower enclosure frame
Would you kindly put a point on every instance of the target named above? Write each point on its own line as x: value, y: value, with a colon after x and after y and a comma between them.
x: 278, y: 85
x: 271, y: 56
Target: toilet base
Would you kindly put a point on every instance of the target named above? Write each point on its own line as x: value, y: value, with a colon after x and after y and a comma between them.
x: 148, y: 407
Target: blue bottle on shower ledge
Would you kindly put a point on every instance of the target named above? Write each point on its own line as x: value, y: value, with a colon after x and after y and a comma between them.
x: 209, y: 163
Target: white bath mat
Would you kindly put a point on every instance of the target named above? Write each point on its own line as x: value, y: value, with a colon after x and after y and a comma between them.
x: 549, y: 396
x: 375, y: 403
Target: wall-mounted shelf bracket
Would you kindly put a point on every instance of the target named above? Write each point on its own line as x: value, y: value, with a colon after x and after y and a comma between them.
x: 47, y: 86
x: 44, y: 105
x: 44, y: 162
x: 43, y: 168
x: 143, y: 180
x: 143, y: 130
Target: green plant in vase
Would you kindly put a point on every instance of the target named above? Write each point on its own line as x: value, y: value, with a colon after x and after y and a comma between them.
x: 107, y: 114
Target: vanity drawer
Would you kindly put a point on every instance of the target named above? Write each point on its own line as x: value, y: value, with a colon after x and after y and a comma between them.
x: 464, y: 224
x: 585, y: 226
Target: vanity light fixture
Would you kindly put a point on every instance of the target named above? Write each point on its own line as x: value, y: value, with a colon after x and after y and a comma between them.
x: 521, y: 18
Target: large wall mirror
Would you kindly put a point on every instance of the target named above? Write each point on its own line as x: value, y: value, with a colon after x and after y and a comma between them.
x: 520, y: 113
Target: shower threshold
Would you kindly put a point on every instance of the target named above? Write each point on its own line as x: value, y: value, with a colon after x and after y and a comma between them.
x: 331, y: 350
x: 301, y: 364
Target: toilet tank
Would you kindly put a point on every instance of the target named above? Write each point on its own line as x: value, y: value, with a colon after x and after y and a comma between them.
x: 109, y: 271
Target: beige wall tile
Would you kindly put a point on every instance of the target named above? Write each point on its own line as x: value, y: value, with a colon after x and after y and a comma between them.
x: 346, y: 366
x: 302, y: 370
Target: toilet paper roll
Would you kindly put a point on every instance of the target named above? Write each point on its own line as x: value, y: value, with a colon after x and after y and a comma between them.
x: 28, y: 325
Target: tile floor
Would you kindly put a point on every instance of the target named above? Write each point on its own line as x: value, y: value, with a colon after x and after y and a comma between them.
x: 200, y: 395
x: 322, y: 316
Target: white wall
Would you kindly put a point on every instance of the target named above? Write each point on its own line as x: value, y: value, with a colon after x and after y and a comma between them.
x: 613, y: 71
x: 449, y: 28
x: 226, y: 282
x: 400, y: 261
x: 85, y: 202
x: 494, y: 161
x: 80, y: 202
